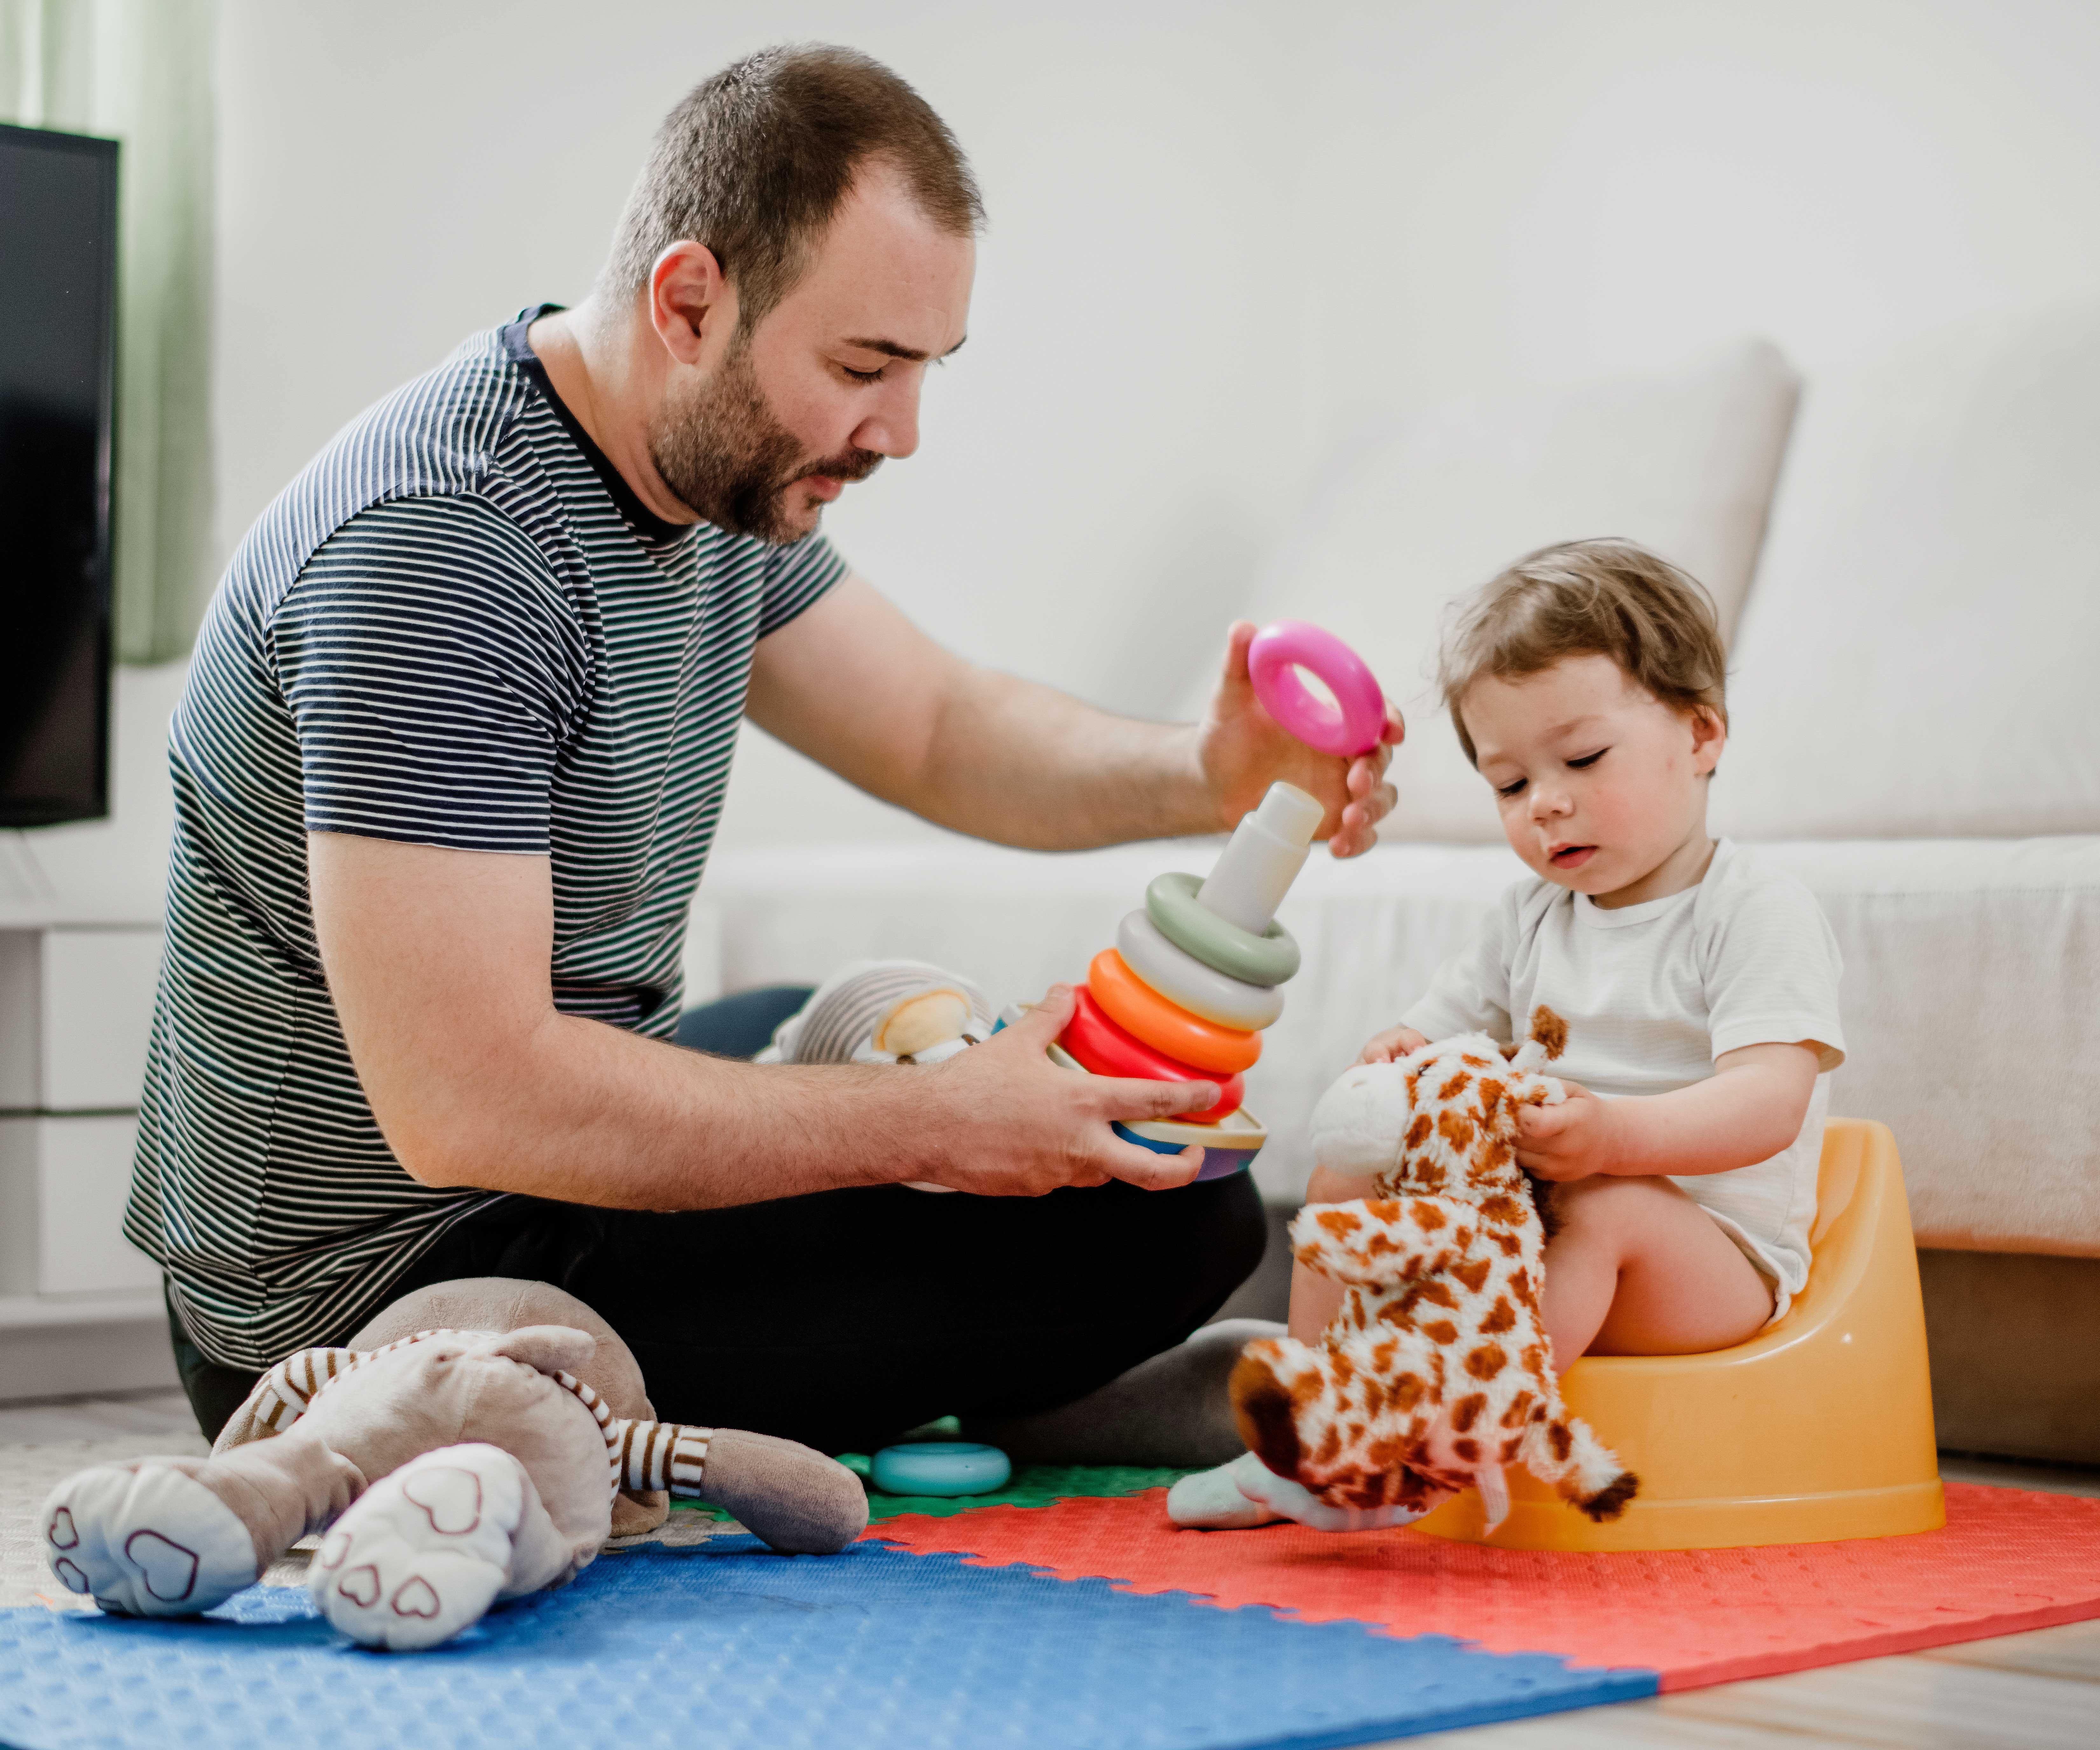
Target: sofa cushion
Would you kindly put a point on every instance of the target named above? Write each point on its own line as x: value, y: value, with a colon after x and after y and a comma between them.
x: 1969, y: 969
x: 1917, y: 658
x: 1440, y: 502
x: 1969, y: 966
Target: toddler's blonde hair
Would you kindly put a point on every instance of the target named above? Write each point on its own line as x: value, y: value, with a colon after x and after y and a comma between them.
x: 1590, y: 598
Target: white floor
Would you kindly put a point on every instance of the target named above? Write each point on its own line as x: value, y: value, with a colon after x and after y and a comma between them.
x: 93, y: 1418
x: 2037, y: 1692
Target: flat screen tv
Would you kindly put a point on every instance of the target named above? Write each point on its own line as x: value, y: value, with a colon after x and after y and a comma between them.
x: 58, y: 337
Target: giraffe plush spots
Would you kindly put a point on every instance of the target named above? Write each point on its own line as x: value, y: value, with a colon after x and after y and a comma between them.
x: 1436, y: 1372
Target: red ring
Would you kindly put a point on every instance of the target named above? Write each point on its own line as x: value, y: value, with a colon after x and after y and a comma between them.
x: 1153, y: 1018
x: 1097, y: 1043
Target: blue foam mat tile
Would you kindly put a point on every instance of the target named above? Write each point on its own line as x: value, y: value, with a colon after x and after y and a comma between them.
x: 729, y: 1644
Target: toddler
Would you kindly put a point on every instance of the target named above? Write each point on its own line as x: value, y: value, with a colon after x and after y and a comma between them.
x: 1699, y: 984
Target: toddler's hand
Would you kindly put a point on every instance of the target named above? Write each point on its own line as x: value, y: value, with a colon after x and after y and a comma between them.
x: 1393, y: 1044
x: 1576, y: 1139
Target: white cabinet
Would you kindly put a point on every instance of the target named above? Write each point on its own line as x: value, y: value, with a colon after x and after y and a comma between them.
x: 76, y: 1174
x: 76, y: 1005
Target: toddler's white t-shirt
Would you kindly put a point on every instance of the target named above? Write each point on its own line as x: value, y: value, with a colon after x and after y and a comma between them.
x: 1653, y: 993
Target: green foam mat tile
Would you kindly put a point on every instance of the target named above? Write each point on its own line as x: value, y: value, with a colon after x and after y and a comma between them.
x: 1030, y: 1486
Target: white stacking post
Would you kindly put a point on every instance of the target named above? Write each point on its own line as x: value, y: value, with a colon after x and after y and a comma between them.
x: 1267, y: 849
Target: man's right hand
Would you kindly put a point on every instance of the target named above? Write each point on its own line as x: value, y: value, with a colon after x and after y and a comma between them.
x: 1006, y: 1122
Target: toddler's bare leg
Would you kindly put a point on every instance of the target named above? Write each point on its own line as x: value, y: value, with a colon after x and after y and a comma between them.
x: 1315, y: 1298
x: 1213, y: 1500
x: 1639, y: 1268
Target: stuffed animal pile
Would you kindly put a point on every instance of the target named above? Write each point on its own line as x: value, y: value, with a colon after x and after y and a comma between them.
x: 1436, y: 1372
x: 884, y: 1011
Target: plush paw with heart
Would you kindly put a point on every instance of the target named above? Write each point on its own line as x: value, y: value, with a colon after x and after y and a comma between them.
x: 477, y: 1442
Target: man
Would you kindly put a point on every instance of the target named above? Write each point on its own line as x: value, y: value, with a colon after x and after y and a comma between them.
x: 447, y: 769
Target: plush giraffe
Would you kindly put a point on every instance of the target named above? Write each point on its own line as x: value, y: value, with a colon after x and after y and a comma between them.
x: 1436, y: 1372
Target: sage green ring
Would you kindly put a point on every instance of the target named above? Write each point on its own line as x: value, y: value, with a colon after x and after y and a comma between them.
x: 1265, y: 960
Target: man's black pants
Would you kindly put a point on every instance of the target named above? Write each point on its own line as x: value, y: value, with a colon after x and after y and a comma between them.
x: 843, y: 1318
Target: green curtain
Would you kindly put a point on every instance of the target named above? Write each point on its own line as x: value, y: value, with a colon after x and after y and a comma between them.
x: 141, y: 72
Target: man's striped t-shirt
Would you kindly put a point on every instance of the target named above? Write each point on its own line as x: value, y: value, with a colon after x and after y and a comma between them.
x: 458, y: 627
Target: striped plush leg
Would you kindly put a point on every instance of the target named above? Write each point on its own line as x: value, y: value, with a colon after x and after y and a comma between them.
x: 665, y: 1455
x: 796, y: 1499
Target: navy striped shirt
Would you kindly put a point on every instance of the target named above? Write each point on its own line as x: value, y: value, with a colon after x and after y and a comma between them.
x: 457, y: 627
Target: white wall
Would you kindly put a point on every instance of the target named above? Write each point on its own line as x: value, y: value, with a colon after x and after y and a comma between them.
x: 1525, y: 191
x: 396, y: 175
x: 1220, y: 233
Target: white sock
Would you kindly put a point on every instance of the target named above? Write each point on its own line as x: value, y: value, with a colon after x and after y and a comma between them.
x: 1213, y: 1500
x: 1284, y: 1499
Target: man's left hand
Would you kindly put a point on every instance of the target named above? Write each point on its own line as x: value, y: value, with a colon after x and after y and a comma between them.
x: 1243, y: 750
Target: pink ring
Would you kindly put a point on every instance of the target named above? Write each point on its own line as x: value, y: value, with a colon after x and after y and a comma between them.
x: 1274, y: 659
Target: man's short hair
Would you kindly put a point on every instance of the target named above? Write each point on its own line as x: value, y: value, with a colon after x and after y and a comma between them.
x: 1590, y: 598
x: 755, y: 163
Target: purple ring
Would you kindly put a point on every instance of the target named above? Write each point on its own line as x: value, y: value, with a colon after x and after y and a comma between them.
x: 1274, y: 659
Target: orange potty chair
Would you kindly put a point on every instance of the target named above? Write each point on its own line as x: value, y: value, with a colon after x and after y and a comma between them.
x: 1818, y: 1429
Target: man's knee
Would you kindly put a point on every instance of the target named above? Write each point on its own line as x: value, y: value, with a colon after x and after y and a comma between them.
x: 1201, y: 1250
x: 1238, y: 1233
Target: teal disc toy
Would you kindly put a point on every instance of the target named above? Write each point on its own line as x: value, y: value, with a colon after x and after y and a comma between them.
x: 939, y: 1467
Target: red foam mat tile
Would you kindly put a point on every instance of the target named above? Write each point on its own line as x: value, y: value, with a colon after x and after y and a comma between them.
x: 2008, y: 1560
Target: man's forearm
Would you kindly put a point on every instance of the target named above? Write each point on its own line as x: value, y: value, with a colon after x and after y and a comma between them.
x: 437, y: 962
x: 580, y: 1111
x: 857, y: 687
x: 1024, y: 765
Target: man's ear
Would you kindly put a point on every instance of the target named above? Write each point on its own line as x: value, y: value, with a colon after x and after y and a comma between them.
x: 1709, y: 739
x: 692, y: 305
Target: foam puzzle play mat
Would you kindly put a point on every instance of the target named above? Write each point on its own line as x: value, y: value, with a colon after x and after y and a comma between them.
x: 1064, y: 1611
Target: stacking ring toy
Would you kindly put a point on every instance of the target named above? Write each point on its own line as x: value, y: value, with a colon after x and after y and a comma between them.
x: 939, y: 1467
x: 1218, y: 1163
x: 1141, y: 1011
x: 1274, y: 659
x: 1178, y: 975
x: 1096, y: 1043
x: 1266, y: 959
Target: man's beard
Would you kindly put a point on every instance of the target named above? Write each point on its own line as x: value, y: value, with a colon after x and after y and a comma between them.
x: 719, y: 447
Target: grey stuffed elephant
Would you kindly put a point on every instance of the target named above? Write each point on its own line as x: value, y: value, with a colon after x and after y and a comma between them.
x: 477, y: 1442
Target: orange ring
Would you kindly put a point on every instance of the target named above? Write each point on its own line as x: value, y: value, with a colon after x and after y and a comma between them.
x: 1142, y: 1013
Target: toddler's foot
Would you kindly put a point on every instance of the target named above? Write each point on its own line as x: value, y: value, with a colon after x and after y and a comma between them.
x: 424, y: 1551
x: 1215, y: 1501
x: 146, y: 1541
x: 1246, y: 1492
x: 1293, y: 1500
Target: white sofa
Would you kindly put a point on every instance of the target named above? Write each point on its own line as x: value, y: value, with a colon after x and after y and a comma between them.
x: 1908, y: 563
